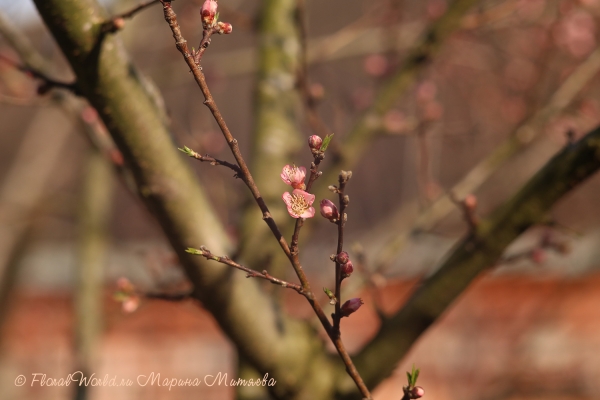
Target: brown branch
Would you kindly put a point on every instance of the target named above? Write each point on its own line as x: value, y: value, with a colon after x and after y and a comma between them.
x: 204, y: 43
x: 204, y: 252
x: 341, y: 222
x: 523, y: 136
x: 246, y: 176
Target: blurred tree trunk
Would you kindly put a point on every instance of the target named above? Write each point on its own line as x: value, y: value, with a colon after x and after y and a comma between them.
x: 276, y: 137
x: 94, y: 219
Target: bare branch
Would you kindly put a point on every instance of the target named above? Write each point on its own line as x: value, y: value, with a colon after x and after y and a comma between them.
x: 524, y: 135
x: 211, y: 160
x: 204, y: 252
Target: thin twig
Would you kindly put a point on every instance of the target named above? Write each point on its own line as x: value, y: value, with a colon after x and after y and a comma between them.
x: 211, y: 160
x: 206, y: 35
x: 341, y: 222
x: 47, y: 82
x: 204, y: 252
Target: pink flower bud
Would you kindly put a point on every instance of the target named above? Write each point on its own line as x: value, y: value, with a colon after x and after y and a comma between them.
x: 329, y: 210
x: 351, y: 306
x: 299, y: 203
x: 224, y: 28
x: 294, y: 176
x: 417, y: 392
x: 342, y: 258
x: 347, y: 269
x: 208, y: 13
x: 315, y: 142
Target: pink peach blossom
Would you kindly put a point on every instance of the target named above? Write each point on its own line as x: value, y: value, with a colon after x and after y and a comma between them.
x: 299, y: 203
x: 294, y: 176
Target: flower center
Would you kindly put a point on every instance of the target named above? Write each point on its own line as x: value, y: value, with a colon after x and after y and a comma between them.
x: 299, y: 204
x: 291, y: 172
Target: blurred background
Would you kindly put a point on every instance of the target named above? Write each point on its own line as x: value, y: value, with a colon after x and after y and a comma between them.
x: 516, y: 82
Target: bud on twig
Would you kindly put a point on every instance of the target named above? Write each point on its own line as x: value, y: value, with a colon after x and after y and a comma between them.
x: 329, y: 210
x: 347, y: 269
x: 224, y: 28
x: 417, y: 392
x: 315, y: 142
x: 342, y: 257
x: 351, y: 306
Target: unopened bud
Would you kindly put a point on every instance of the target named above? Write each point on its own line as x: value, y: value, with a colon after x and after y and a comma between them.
x: 347, y: 269
x: 417, y: 392
x: 329, y: 210
x: 351, y: 306
x: 208, y: 13
x: 345, y: 175
x: 342, y: 257
x: 315, y: 142
x: 224, y: 28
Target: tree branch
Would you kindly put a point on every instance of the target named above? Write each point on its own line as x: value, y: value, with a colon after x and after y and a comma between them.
x: 474, y: 254
x: 524, y: 135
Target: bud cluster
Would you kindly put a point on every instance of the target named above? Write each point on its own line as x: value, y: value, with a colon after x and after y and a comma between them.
x: 210, y: 18
x: 345, y: 263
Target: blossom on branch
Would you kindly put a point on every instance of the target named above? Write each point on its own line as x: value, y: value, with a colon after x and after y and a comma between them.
x: 299, y: 203
x: 294, y: 176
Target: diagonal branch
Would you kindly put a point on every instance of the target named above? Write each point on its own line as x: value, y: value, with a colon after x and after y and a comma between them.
x: 474, y: 254
x: 358, y: 139
x: 524, y: 135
